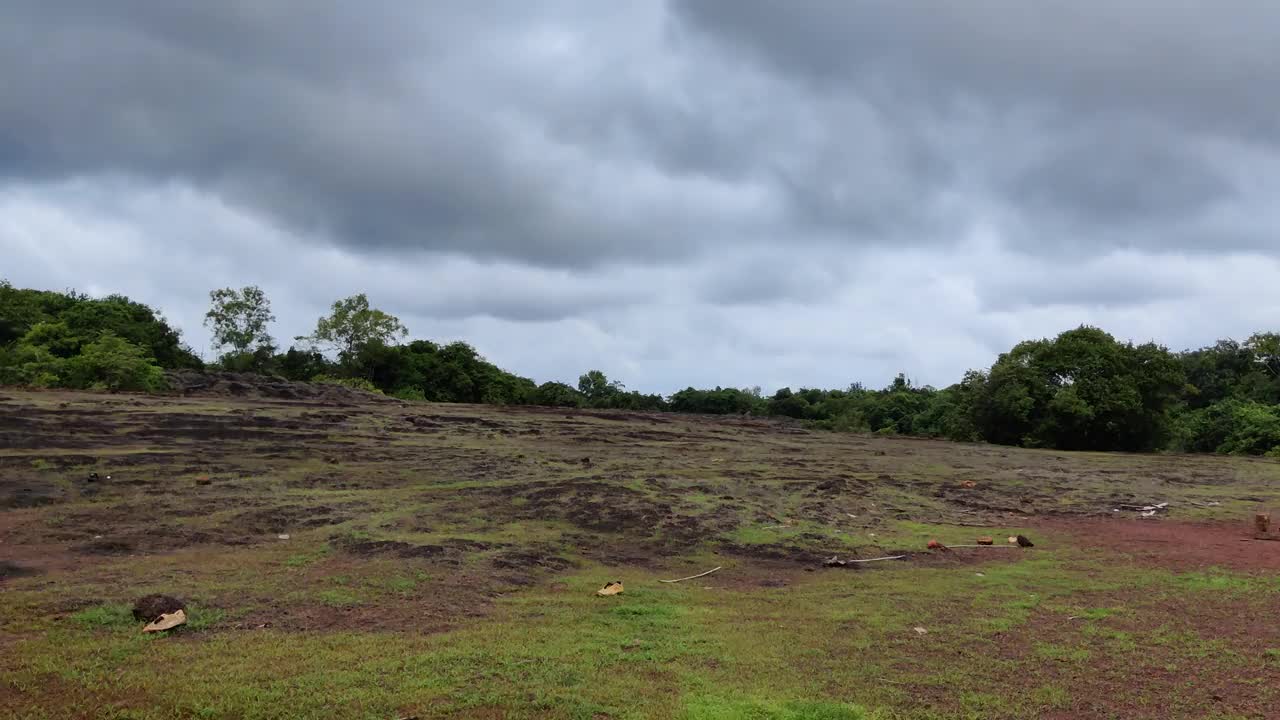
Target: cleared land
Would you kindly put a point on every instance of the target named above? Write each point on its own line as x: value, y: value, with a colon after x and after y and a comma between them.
x: 441, y: 561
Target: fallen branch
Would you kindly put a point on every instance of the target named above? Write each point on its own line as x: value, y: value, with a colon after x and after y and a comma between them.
x: 887, y: 557
x: 1006, y: 547
x: 692, y: 577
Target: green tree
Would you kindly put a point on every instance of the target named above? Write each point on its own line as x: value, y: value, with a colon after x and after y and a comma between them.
x: 1265, y: 348
x: 1080, y: 391
x: 112, y: 363
x: 239, y: 319
x: 557, y: 394
x: 597, y: 388
x: 352, y: 324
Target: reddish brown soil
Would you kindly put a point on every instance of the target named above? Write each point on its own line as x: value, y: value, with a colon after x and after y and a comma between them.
x: 1227, y: 678
x: 1174, y: 545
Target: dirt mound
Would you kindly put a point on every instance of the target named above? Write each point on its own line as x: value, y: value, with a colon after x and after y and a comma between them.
x: 150, y: 607
x: 250, y: 385
x: 14, y: 570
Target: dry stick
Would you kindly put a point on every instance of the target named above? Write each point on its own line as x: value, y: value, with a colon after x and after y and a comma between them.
x: 887, y: 557
x: 1005, y: 547
x: 692, y: 577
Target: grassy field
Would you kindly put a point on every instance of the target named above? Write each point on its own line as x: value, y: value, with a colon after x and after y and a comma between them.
x: 387, y: 560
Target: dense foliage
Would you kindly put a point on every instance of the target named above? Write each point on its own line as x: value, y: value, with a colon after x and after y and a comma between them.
x: 72, y: 340
x: 1082, y: 390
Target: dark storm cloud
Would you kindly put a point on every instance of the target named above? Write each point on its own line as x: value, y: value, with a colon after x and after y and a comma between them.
x: 1195, y: 64
x: 1091, y: 119
x: 404, y: 129
x: 743, y: 151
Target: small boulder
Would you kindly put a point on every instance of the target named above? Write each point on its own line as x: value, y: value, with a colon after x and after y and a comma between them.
x: 150, y: 608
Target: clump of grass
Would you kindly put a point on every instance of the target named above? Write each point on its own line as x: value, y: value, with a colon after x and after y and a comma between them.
x: 202, y: 618
x: 106, y: 615
x: 1215, y: 581
x: 119, y: 615
x: 718, y: 708
x: 1050, y: 651
x: 338, y: 597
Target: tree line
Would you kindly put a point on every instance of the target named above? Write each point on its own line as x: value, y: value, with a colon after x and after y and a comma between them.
x: 1081, y: 390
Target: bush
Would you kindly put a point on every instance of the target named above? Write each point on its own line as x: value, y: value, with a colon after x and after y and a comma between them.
x: 1232, y: 427
x: 111, y: 363
x: 31, y: 366
x: 353, y: 383
x: 411, y: 394
x: 557, y: 394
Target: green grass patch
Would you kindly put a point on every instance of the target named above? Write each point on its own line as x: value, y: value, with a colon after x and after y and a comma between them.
x: 722, y: 708
x: 107, y: 615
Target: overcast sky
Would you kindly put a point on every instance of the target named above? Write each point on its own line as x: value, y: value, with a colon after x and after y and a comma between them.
x: 743, y: 192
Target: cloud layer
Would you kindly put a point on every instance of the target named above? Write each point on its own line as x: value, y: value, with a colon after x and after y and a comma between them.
x: 697, y: 192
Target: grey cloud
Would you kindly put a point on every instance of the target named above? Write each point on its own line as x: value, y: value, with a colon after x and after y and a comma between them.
x: 382, y: 129
x: 693, y: 191
x: 1111, y: 282
x: 1206, y: 66
x: 1122, y: 177
x: 768, y: 279
x: 1080, y: 124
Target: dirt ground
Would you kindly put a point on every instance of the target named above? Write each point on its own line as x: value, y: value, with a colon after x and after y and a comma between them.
x: 283, y: 509
x: 1175, y: 545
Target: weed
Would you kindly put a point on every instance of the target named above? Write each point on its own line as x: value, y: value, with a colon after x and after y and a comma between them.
x: 338, y: 598
x: 107, y: 615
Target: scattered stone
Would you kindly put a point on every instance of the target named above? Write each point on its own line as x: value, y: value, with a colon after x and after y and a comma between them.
x: 921, y: 631
x: 986, y: 540
x: 1024, y: 541
x: 151, y: 607
x: 283, y: 536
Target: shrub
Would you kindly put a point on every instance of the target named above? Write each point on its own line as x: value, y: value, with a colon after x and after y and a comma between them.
x: 410, y: 393
x: 111, y: 363
x: 30, y: 365
x: 353, y: 383
x: 557, y: 394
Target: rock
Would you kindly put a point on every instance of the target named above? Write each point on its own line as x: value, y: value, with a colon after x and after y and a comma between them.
x: 1024, y: 541
x: 151, y: 607
x: 986, y: 540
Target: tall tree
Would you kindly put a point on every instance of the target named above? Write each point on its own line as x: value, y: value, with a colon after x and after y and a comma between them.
x: 596, y: 388
x: 239, y: 318
x: 352, y: 324
x: 1266, y: 352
